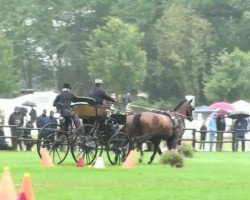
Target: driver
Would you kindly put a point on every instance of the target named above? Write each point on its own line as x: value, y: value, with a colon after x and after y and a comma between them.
x: 99, y: 94
x: 63, y: 104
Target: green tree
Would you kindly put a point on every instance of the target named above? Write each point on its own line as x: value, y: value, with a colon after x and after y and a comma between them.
x: 9, y: 79
x: 183, y: 40
x: 115, y: 56
x: 229, y: 78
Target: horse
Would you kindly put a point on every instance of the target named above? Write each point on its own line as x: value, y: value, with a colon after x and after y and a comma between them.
x: 157, y: 126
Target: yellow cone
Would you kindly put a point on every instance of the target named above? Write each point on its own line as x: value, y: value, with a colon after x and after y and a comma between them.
x: 7, y: 187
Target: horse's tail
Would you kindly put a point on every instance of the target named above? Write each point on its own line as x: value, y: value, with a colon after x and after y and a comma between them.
x: 135, y: 128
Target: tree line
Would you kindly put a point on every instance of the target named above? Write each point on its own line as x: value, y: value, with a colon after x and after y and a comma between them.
x: 168, y: 49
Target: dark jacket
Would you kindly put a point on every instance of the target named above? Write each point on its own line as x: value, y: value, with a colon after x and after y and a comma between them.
x: 221, y: 123
x: 99, y: 95
x: 240, y: 124
x: 33, y: 115
x: 52, y: 119
x: 42, y: 120
x: 16, y: 119
x: 63, y: 100
x: 203, y: 132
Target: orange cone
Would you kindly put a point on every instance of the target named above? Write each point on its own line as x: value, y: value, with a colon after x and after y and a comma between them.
x: 26, y: 189
x: 21, y: 196
x: 130, y: 160
x: 7, y: 187
x: 80, y: 162
x: 46, y: 160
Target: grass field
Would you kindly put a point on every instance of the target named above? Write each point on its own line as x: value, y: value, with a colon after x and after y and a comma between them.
x: 207, y: 176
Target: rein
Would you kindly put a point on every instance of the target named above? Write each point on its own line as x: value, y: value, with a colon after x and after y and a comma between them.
x: 160, y: 111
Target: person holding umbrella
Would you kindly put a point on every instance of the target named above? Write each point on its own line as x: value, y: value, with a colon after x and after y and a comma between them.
x: 212, y: 129
x: 240, y: 128
x: 221, y: 126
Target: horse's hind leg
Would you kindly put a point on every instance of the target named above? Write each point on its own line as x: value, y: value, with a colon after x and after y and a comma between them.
x: 156, y: 143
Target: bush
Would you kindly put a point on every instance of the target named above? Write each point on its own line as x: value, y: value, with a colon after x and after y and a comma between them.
x: 172, y: 158
x: 186, y: 150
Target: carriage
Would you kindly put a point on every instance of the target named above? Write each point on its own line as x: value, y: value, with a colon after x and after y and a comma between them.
x: 99, y: 133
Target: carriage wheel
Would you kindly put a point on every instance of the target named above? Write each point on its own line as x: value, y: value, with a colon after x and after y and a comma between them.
x: 84, y: 145
x: 118, y: 148
x: 55, y: 141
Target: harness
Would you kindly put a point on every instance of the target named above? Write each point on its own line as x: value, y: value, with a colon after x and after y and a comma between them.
x: 176, y: 118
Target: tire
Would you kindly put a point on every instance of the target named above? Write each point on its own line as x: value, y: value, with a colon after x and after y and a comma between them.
x: 55, y: 141
x: 85, y: 144
x: 118, y: 148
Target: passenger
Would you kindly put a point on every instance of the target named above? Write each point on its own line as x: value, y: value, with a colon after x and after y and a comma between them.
x: 63, y: 104
x: 99, y: 94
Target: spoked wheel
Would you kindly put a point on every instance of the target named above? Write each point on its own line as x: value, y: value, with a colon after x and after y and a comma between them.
x: 85, y: 144
x: 55, y: 141
x: 118, y: 148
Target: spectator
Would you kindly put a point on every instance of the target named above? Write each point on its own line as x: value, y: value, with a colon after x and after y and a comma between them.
x: 52, y: 119
x: 27, y: 136
x: 33, y: 114
x: 99, y: 94
x: 42, y: 120
x: 3, y: 143
x: 203, y: 132
x: 16, y: 119
x: 221, y: 126
x: 211, y: 129
x: 240, y: 128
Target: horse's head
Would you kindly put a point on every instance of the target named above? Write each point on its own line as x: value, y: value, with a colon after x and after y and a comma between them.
x: 189, y: 112
x: 185, y: 108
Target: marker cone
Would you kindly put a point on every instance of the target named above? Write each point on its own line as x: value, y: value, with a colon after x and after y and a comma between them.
x: 46, y: 160
x: 7, y: 187
x: 130, y: 160
x: 26, y: 189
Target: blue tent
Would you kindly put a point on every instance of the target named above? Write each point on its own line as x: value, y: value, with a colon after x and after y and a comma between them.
x: 203, y: 109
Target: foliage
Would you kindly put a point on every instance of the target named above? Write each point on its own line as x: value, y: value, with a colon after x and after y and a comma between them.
x: 224, y: 84
x: 172, y: 158
x: 183, y: 40
x: 115, y: 56
x: 186, y: 150
x: 9, y: 78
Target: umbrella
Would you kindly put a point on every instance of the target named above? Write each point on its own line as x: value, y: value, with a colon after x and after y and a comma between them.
x: 203, y: 109
x: 222, y: 106
x: 29, y: 103
x: 238, y: 114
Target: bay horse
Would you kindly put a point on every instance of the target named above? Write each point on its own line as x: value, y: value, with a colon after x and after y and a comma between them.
x: 157, y: 126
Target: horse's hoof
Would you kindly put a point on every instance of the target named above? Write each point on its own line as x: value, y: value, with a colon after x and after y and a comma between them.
x: 149, y: 162
x: 140, y: 160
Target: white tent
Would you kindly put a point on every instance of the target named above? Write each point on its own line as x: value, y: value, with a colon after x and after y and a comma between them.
x: 241, y: 105
x: 43, y: 100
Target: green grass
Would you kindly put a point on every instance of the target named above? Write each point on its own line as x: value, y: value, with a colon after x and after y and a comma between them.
x: 207, y: 176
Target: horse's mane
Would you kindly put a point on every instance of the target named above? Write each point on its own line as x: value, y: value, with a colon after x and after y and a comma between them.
x: 176, y: 108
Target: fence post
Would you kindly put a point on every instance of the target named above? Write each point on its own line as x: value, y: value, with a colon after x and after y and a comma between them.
x: 194, y: 138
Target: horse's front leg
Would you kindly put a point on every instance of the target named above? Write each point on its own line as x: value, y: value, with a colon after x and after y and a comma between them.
x: 156, y: 143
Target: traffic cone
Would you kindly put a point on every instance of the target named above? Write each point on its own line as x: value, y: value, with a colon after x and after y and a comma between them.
x: 46, y: 160
x: 80, y: 162
x: 130, y: 160
x: 22, y: 196
x: 99, y: 164
x: 7, y: 187
x: 26, y: 189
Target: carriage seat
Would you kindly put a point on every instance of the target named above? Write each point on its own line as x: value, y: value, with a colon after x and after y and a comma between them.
x: 87, y: 107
